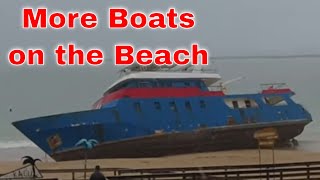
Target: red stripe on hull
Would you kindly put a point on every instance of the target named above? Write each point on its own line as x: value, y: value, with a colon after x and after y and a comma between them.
x: 154, y: 93
x: 277, y: 91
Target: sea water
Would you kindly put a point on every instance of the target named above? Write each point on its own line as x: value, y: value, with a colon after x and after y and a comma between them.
x: 27, y: 94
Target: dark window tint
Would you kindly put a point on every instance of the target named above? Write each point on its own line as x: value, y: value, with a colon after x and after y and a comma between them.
x: 137, y: 107
x: 248, y: 103
x: 188, y: 106
x: 160, y: 84
x: 157, y: 105
x: 116, y: 115
x: 235, y: 104
x: 203, y: 86
x: 173, y: 106
x: 132, y: 84
x: 145, y: 84
x: 202, y: 104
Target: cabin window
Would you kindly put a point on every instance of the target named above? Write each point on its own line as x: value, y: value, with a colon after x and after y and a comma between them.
x: 202, y: 104
x: 178, y: 84
x: 137, y: 107
x: 116, y: 115
x: 275, y: 101
x: 157, y: 105
x: 122, y: 86
x: 241, y: 103
x: 163, y: 83
x: 202, y: 85
x: 132, y: 84
x: 155, y: 83
x: 145, y: 84
x: 173, y: 106
x: 168, y: 84
x: 247, y: 103
x: 188, y: 106
x: 159, y: 83
x: 235, y: 104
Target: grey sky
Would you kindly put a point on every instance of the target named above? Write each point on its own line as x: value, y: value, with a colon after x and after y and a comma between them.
x: 224, y: 27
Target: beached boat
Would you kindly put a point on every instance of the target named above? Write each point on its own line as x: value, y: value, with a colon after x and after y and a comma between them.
x: 157, y: 111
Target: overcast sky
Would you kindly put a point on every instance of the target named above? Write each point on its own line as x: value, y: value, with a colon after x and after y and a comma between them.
x: 224, y: 27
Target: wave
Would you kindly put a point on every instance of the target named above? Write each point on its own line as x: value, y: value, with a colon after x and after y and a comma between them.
x: 16, y: 144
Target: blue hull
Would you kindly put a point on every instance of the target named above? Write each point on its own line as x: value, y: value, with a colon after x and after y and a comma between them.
x: 163, y: 126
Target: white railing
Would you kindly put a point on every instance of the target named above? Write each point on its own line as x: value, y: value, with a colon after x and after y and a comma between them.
x: 273, y: 86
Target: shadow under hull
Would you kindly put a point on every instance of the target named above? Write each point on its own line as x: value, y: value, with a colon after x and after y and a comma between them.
x: 202, y: 140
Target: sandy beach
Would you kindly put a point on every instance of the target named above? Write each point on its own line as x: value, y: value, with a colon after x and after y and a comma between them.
x: 236, y: 157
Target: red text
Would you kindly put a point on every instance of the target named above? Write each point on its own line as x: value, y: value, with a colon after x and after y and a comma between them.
x: 126, y: 55
x: 56, y: 20
x: 120, y: 18
x: 19, y: 57
x: 92, y: 57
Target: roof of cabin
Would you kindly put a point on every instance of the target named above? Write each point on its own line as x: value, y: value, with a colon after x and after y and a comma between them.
x: 208, y: 78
